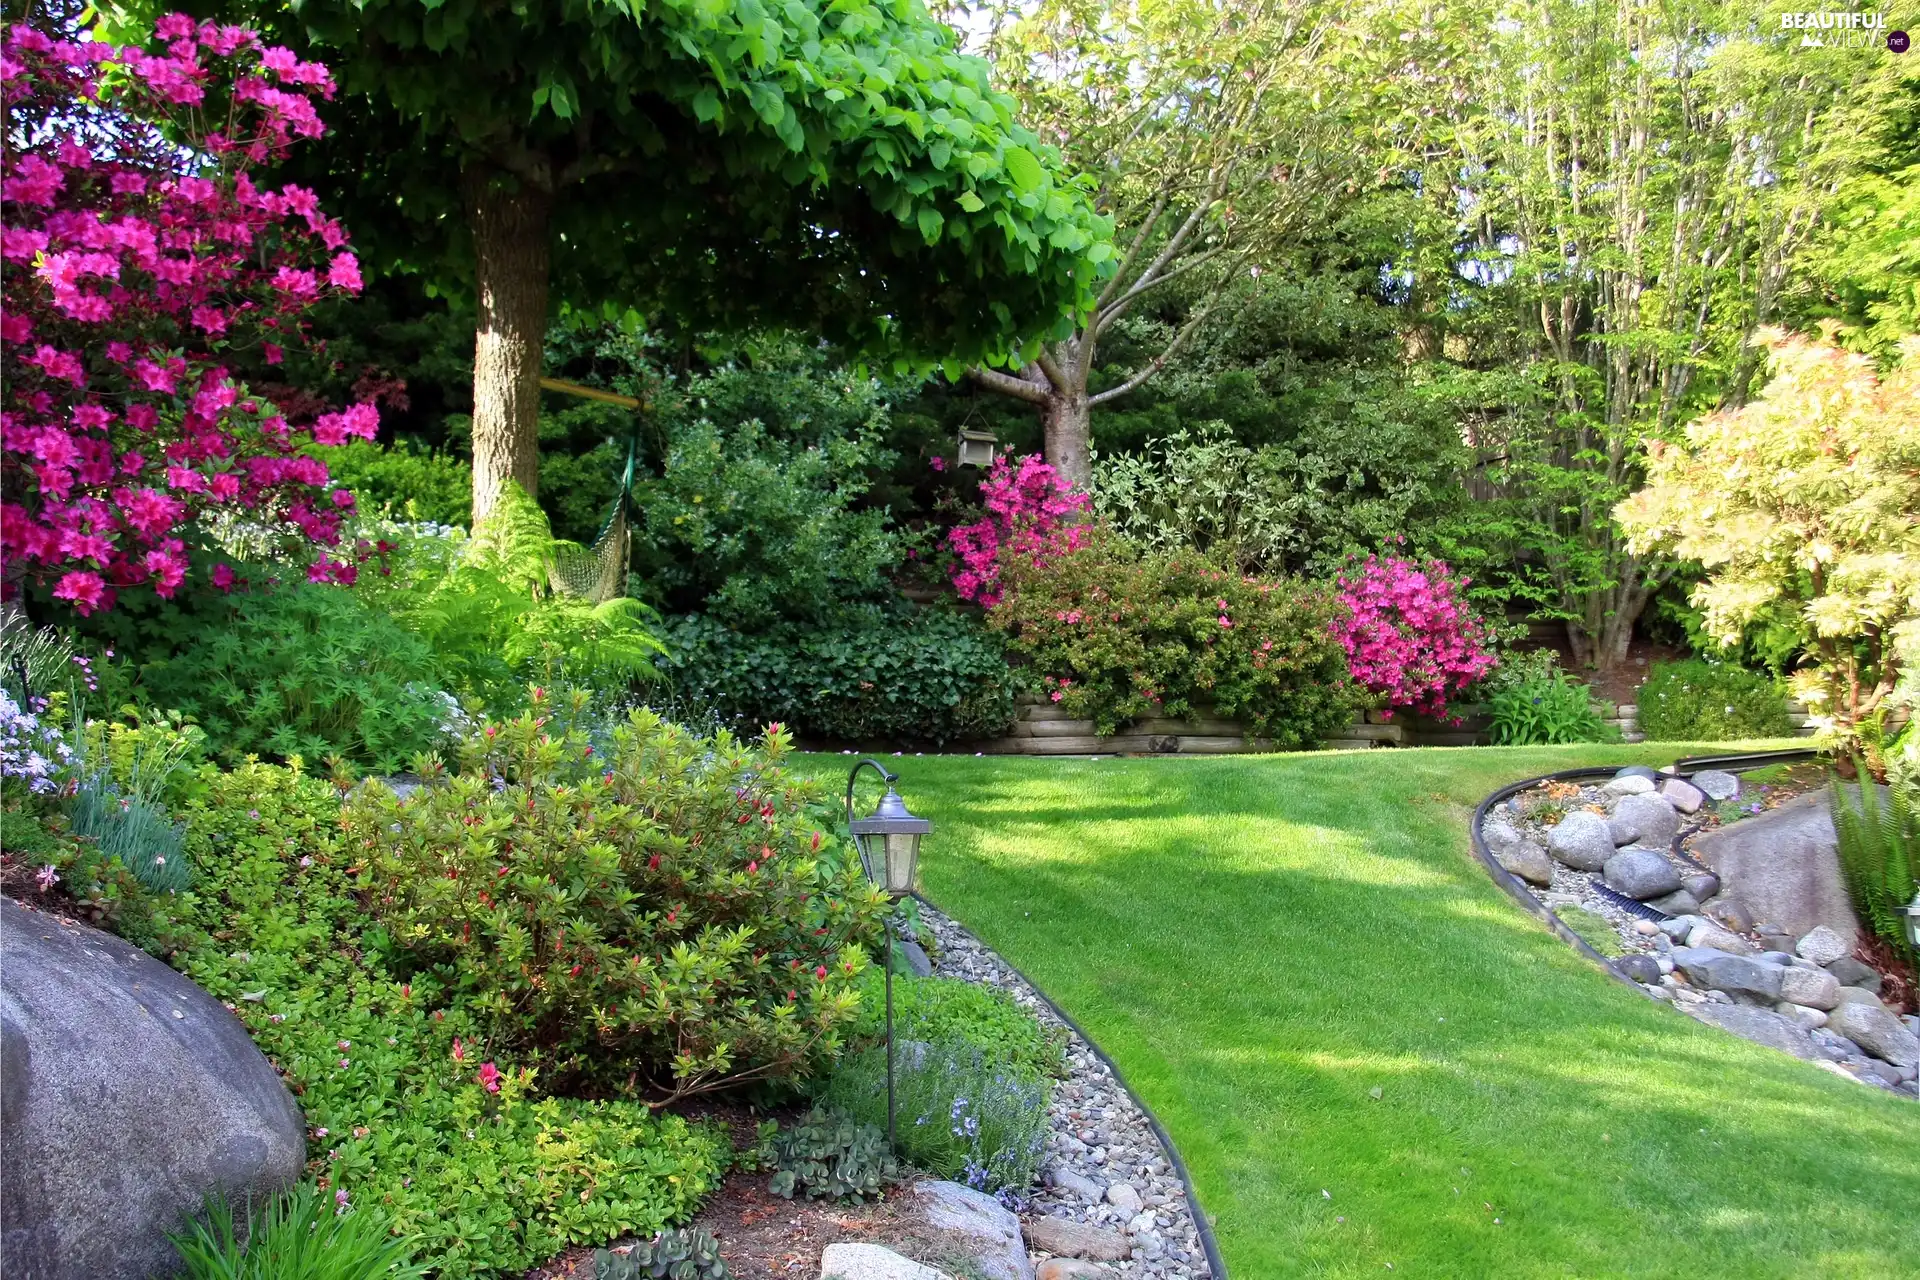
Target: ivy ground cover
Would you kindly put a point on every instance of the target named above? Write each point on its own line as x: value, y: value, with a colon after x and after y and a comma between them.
x: 1368, y: 1055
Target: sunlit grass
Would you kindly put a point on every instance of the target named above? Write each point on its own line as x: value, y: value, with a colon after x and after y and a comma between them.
x: 1262, y: 941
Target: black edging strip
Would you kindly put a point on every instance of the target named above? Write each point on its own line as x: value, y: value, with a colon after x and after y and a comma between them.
x: 1523, y: 895
x: 1201, y: 1224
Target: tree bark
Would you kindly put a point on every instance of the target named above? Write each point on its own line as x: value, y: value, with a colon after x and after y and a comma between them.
x: 509, y: 220
x: 1068, y: 426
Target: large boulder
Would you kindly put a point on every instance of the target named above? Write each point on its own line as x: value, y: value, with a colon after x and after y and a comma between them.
x: 1706, y: 967
x: 1762, y: 1026
x: 127, y: 1096
x: 991, y: 1232
x: 1716, y: 785
x: 1815, y: 988
x: 1652, y: 817
x: 1641, y: 874
x: 1581, y: 840
x: 1782, y: 864
x: 1878, y: 1032
x: 1515, y: 852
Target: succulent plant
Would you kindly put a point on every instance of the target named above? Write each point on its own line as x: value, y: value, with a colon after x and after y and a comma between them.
x: 830, y: 1154
x: 679, y: 1253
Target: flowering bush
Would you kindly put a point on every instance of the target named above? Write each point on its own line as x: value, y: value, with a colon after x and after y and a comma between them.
x: 1409, y: 636
x: 1032, y: 518
x: 142, y: 258
x: 1115, y: 634
x: 32, y: 754
x: 660, y: 913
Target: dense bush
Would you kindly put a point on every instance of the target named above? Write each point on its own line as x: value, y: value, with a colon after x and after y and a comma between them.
x: 660, y: 913
x: 1703, y: 701
x: 402, y: 480
x: 1116, y: 633
x: 873, y: 674
x: 305, y: 670
x: 1543, y: 711
x: 410, y: 1108
x: 959, y: 1112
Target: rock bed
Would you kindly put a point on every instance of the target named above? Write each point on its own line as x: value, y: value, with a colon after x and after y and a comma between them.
x: 1704, y: 954
x: 1110, y: 1196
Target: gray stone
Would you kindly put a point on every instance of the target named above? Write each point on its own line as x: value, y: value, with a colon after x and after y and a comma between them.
x: 995, y: 1245
x: 1701, y: 884
x: 1706, y: 967
x: 1677, y: 903
x: 1762, y: 1026
x: 1713, y: 936
x: 1652, y: 817
x: 1852, y: 973
x: 1728, y: 912
x: 1637, y: 771
x: 1877, y: 1031
x: 1077, y: 1240
x: 1683, y: 796
x: 129, y: 1096
x: 1773, y: 938
x: 1815, y: 988
x: 1680, y: 926
x: 1857, y: 995
x: 1641, y: 874
x: 1822, y: 946
x: 915, y: 958
x: 1070, y: 1269
x: 1643, y: 969
x: 871, y: 1262
x: 1782, y: 865
x: 1631, y: 784
x: 1581, y: 840
x: 1776, y: 957
x: 1803, y: 1016
x: 1499, y: 833
x: 1124, y: 1197
x: 1622, y: 831
x: 1071, y: 1180
x: 1526, y: 860
x: 1715, y: 785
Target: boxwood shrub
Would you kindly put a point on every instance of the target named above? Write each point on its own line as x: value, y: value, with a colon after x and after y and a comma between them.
x: 878, y: 673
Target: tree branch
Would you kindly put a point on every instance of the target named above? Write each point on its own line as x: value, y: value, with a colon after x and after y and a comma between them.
x: 1008, y: 384
x: 1159, y: 362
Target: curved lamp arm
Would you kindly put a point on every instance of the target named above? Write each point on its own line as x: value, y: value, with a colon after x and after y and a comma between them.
x: 885, y: 773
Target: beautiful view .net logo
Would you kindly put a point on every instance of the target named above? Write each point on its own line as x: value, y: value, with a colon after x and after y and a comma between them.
x: 1845, y: 30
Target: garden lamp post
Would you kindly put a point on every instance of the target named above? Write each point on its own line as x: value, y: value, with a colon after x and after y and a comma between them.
x: 889, y: 845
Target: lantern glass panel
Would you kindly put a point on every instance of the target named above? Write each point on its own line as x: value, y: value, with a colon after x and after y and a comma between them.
x: 902, y: 852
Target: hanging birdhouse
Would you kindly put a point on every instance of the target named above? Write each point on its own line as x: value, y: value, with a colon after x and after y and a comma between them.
x: 977, y: 448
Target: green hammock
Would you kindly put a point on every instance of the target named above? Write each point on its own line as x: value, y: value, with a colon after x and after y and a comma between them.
x: 598, y: 573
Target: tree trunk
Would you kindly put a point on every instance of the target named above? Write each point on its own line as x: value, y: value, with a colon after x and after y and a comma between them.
x: 510, y: 230
x: 1068, y: 423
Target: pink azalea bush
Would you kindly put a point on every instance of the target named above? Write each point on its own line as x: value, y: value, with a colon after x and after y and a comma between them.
x: 1033, y: 515
x: 1409, y: 635
x: 141, y: 257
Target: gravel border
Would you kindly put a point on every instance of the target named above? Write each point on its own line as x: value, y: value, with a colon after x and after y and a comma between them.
x: 1109, y: 1163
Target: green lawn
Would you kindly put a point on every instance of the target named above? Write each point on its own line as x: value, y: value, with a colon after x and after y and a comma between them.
x: 1260, y: 942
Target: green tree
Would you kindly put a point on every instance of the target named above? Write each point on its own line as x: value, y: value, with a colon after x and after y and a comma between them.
x: 834, y: 164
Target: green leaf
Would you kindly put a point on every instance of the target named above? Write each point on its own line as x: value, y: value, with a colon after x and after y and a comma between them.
x: 930, y: 220
x: 706, y: 105
x: 971, y: 202
x: 1024, y: 170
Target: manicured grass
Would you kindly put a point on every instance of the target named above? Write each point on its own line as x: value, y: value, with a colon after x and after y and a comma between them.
x: 1260, y: 942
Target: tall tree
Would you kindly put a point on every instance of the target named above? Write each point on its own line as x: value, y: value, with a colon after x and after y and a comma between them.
x: 1632, y: 181
x: 833, y: 164
x: 1214, y: 129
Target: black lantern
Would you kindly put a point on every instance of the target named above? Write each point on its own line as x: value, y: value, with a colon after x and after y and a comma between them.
x: 889, y: 844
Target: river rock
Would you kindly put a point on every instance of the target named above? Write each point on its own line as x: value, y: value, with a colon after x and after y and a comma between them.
x: 1803, y: 1016
x: 1857, y: 995
x: 1067, y: 1178
x: 127, y: 1096
x: 1527, y: 860
x: 1631, y: 784
x: 1652, y: 817
x: 1683, y: 796
x: 1852, y: 973
x: 1681, y: 927
x: 1784, y: 867
x: 1716, y: 785
x: 1581, y: 840
x: 871, y: 1262
x: 1710, y: 935
x: 1821, y: 945
x: 1637, y: 967
x: 1729, y: 913
x: 1622, y: 831
x: 1706, y: 967
x: 1877, y: 1031
x: 1815, y: 988
x: 1701, y: 884
x: 1641, y: 874
x: 1637, y: 771
x: 1762, y: 1026
x: 1677, y: 903
x: 1077, y: 1240
x: 1124, y: 1197
x: 1070, y: 1269
x: 993, y: 1232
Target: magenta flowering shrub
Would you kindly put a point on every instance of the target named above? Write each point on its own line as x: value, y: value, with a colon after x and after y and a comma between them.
x: 141, y: 258
x: 1032, y: 514
x: 1409, y: 635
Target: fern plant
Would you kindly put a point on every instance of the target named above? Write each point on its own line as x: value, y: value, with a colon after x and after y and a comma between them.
x: 1879, y: 846
x: 497, y: 622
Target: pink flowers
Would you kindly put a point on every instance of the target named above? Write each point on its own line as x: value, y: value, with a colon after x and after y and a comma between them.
x: 1031, y: 512
x: 124, y: 257
x: 1408, y: 634
x: 489, y: 1077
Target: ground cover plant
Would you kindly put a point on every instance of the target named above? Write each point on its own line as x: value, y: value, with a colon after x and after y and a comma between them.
x: 1700, y: 700
x: 1527, y: 1105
